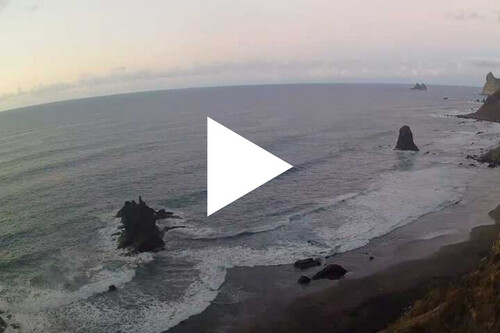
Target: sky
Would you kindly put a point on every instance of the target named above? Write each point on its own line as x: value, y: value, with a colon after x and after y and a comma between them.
x: 54, y: 50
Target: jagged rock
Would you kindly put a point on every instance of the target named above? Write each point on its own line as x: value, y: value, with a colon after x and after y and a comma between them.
x: 304, y: 280
x: 3, y: 325
x: 162, y: 214
x: 419, y: 86
x: 491, y: 86
x: 489, y: 111
x: 140, y: 233
x: 405, y: 140
x: 331, y: 272
x: 306, y: 263
x: 492, y: 157
x: 112, y: 288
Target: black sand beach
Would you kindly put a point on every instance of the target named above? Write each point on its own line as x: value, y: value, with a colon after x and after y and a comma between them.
x: 374, y: 292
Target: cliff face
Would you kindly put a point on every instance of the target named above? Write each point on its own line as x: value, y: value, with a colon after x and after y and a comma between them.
x: 470, y: 304
x: 490, y: 110
x: 492, y: 85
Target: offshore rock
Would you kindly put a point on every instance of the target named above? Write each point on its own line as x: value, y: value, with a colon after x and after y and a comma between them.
x: 405, y: 140
x: 139, y: 231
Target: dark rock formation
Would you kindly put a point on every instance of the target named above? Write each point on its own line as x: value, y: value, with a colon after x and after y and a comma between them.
x: 304, y: 280
x: 3, y: 325
x: 405, y: 140
x: 489, y: 111
x: 306, y: 263
x: 139, y: 231
x: 492, y: 158
x: 419, y: 86
x: 112, y: 288
x: 491, y: 86
x: 331, y: 272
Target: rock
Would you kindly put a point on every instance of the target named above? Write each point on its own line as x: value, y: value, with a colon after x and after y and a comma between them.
x: 306, y: 263
x: 140, y: 233
x: 419, y: 86
x: 162, y: 214
x: 492, y: 157
x: 491, y: 86
x: 3, y: 325
x: 445, y: 97
x: 112, y: 288
x: 405, y: 140
x: 331, y: 272
x: 489, y: 111
x: 371, y: 258
x: 304, y: 280
x: 15, y: 326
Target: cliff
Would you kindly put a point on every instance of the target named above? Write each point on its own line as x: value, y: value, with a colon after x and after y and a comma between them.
x: 489, y: 111
x: 492, y: 85
x: 470, y: 304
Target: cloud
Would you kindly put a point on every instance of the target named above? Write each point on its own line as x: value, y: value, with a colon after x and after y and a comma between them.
x: 3, y: 4
x: 484, y: 63
x: 33, y: 8
x: 464, y: 16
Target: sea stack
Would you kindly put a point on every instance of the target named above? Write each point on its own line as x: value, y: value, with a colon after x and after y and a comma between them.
x: 405, y: 140
x: 419, y: 86
x: 491, y: 86
x: 139, y: 231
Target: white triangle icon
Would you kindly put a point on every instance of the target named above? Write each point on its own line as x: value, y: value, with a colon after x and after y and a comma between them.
x: 235, y: 166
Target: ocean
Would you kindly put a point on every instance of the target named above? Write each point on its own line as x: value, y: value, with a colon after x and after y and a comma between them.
x: 67, y: 167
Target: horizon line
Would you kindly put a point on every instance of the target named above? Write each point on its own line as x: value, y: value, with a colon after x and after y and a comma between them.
x: 227, y: 86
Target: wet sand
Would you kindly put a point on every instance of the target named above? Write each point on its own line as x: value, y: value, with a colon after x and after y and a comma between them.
x: 432, y: 250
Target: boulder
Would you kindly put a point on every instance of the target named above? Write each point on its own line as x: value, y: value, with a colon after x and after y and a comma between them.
x: 112, y: 288
x: 306, y: 263
x: 139, y: 232
x: 492, y: 157
x: 331, y: 272
x: 405, y: 140
x: 304, y: 280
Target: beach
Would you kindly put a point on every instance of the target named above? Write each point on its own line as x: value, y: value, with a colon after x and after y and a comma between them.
x: 374, y: 292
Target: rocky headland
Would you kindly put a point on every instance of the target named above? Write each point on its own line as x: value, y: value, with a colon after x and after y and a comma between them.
x: 491, y: 86
x: 489, y: 111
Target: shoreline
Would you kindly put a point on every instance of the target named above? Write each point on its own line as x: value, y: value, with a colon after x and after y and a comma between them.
x: 429, y: 251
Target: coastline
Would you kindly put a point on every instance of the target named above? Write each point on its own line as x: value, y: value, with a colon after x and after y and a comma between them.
x: 430, y: 251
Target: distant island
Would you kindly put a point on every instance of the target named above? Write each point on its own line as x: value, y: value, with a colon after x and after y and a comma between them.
x: 419, y: 86
x: 492, y: 85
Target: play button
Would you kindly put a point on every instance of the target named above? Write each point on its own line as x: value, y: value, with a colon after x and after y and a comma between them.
x: 235, y: 166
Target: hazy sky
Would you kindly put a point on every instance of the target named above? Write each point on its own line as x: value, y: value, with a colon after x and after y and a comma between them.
x: 60, y: 49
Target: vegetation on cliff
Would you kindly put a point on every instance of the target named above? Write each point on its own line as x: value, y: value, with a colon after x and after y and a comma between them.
x: 470, y: 304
